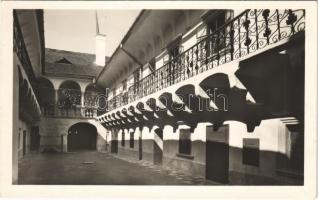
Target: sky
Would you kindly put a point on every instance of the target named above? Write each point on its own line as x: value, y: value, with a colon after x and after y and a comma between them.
x: 75, y: 30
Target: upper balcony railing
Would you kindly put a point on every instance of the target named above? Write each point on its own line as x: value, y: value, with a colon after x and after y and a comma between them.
x: 250, y: 31
x: 70, y: 103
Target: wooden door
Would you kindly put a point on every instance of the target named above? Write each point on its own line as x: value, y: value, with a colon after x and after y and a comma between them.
x: 217, y: 154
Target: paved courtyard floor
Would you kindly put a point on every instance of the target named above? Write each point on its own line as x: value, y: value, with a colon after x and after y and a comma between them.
x: 97, y: 168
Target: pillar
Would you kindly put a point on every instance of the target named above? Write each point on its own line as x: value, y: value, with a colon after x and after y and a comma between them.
x: 56, y: 111
x: 82, y: 99
x: 82, y: 104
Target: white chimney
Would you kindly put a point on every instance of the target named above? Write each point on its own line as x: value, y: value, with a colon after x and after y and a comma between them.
x: 100, y: 46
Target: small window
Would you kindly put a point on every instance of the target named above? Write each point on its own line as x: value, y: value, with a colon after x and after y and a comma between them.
x: 123, y: 139
x: 137, y: 75
x: 185, y: 142
x: 174, y: 45
x: 251, y: 151
x: 137, y: 78
x: 132, y: 144
x: 217, y: 22
x: 152, y: 65
x: 124, y: 83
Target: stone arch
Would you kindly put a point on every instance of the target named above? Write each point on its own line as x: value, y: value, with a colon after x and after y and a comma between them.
x: 46, y: 95
x: 82, y: 136
x: 218, y: 87
x: 44, y: 82
x: 187, y: 95
x: 70, y: 84
x: 69, y: 94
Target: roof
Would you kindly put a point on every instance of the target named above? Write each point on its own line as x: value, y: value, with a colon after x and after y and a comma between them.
x: 147, y: 37
x: 68, y: 63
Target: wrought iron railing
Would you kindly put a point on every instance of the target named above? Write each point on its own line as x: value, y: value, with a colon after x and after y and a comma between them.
x: 75, y: 111
x: 68, y: 103
x: 250, y: 31
x: 118, y: 101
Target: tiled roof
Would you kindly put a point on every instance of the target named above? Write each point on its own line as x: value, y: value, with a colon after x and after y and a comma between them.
x: 64, y: 63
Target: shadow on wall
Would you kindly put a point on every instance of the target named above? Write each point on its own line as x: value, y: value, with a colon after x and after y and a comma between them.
x: 230, y: 165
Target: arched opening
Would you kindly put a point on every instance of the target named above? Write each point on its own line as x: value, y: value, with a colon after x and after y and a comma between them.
x: 94, y: 100
x: 46, y: 96
x: 81, y: 136
x: 69, y: 97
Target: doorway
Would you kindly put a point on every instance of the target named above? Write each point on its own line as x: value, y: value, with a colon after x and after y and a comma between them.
x: 81, y: 136
x: 24, y: 143
x: 217, y: 154
x: 114, y: 142
x: 34, y: 139
x: 140, y: 145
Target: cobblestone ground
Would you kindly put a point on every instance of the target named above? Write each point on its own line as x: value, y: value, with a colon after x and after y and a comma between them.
x: 97, y: 168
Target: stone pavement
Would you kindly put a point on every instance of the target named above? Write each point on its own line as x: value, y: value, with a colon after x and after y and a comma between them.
x: 179, y: 175
x: 97, y: 168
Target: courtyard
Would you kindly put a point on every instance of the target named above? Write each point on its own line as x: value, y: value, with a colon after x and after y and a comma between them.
x: 97, y: 168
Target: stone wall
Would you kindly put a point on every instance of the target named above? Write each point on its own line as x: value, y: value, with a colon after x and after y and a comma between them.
x: 53, y: 133
x: 270, y: 134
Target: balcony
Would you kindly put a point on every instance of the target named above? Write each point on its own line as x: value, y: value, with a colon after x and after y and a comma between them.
x: 24, y: 45
x: 70, y: 103
x: 250, y: 32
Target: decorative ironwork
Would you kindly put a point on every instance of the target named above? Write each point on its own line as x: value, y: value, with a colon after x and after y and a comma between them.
x: 68, y: 103
x: 248, y: 32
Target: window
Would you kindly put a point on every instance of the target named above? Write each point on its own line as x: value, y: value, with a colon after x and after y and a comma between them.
x: 123, y: 139
x: 216, y: 23
x: 137, y: 77
x: 125, y: 93
x: 124, y: 83
x: 152, y: 65
x: 150, y: 87
x: 214, y: 20
x: 251, y: 151
x: 132, y: 144
x: 185, y: 142
x: 114, y: 99
x: 291, y: 158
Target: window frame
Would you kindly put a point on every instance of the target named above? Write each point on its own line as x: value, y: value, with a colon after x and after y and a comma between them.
x: 251, y: 152
x: 123, y: 139
x: 132, y: 140
x: 185, y: 143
